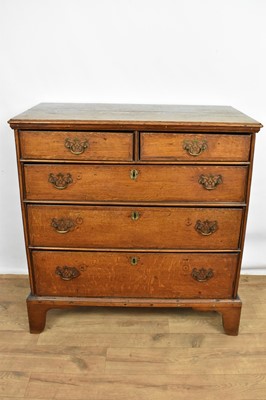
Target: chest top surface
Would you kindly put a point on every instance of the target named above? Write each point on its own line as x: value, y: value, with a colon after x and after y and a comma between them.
x: 133, y: 116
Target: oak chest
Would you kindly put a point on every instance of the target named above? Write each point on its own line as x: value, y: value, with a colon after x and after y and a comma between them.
x: 134, y: 205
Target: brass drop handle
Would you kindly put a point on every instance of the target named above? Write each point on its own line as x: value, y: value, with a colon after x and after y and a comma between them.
x: 135, y: 215
x: 195, y: 147
x: 62, y: 225
x: 134, y: 260
x: 76, y: 146
x: 60, y: 181
x: 67, y: 273
x: 206, y: 227
x: 134, y: 174
x: 202, y: 274
x: 210, y: 182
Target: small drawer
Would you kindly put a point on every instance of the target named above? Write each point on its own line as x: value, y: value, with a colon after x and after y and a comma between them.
x: 48, y: 145
x: 134, y: 227
x: 194, y: 147
x: 71, y: 182
x: 155, y: 275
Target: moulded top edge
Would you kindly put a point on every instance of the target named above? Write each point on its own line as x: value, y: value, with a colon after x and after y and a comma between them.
x: 132, y: 116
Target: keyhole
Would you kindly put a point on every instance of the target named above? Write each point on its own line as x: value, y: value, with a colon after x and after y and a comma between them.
x: 134, y: 174
x: 135, y: 215
x: 134, y: 260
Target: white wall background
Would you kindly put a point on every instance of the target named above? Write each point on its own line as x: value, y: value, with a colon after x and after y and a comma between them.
x: 138, y: 51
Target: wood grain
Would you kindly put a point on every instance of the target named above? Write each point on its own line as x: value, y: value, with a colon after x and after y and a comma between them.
x: 112, y: 274
x: 195, y: 360
x: 197, y: 207
x: 170, y: 146
x: 13, y: 383
x: 152, y: 183
x: 146, y: 387
x: 100, y: 145
x: 133, y: 116
x: 136, y: 361
x: 113, y: 227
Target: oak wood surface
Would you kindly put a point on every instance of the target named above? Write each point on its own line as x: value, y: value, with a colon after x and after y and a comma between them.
x: 170, y: 146
x: 152, y: 183
x: 132, y: 115
x: 21, y: 179
x: 98, y: 145
x: 118, y: 353
x: 156, y: 227
x: 246, y: 209
x: 39, y: 305
x: 152, y: 216
x: 151, y: 275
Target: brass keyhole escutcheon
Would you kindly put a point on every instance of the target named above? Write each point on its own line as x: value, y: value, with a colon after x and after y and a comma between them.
x: 134, y: 260
x: 134, y: 174
x: 135, y: 215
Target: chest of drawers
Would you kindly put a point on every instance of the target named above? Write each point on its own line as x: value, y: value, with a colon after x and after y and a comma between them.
x: 134, y: 206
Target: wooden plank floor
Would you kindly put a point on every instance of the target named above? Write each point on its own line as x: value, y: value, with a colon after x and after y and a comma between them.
x: 132, y: 354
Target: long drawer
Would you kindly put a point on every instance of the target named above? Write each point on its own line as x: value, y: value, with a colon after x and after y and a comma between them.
x: 138, y: 183
x: 169, y: 275
x: 76, y: 145
x: 194, y: 147
x: 134, y: 227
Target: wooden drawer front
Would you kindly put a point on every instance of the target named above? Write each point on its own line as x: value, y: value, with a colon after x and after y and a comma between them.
x: 194, y: 147
x: 134, y: 227
x: 134, y: 274
x: 138, y: 183
x: 76, y: 145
